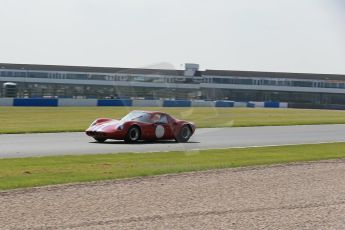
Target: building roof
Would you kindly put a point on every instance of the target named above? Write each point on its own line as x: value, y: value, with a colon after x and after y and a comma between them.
x: 311, y: 76
x: 223, y: 73
x: 89, y: 69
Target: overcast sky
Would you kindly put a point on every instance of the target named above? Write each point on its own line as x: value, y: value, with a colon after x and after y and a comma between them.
x: 265, y: 35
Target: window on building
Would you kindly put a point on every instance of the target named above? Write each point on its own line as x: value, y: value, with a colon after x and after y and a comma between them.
x: 303, y: 83
x: 37, y: 74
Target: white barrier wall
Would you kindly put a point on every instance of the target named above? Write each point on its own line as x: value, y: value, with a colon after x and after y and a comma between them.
x: 240, y: 104
x: 6, y: 101
x: 203, y: 103
x: 77, y: 102
x: 147, y: 103
x: 258, y: 104
x: 137, y: 103
x: 283, y: 105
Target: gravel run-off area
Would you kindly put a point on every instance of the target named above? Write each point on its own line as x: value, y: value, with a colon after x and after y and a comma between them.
x: 294, y: 196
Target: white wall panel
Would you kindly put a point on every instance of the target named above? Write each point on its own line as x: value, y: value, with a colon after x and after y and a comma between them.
x: 203, y: 103
x: 147, y: 103
x: 77, y: 102
x: 6, y: 101
x: 240, y: 104
x: 283, y: 105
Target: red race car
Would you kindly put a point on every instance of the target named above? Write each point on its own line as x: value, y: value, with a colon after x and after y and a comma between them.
x: 141, y: 125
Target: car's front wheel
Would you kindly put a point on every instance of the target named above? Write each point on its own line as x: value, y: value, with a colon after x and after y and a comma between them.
x: 100, y: 140
x: 185, y: 134
x: 133, y: 134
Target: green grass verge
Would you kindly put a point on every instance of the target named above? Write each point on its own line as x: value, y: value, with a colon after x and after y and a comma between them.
x: 63, y: 119
x: 28, y: 172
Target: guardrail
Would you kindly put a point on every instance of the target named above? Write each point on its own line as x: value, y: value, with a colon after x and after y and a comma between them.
x: 134, y: 102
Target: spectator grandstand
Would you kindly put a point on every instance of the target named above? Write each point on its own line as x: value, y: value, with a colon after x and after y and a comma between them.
x: 35, y: 81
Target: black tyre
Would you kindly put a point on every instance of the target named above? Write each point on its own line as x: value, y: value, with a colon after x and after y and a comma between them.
x: 133, y: 134
x: 100, y: 140
x: 184, y: 135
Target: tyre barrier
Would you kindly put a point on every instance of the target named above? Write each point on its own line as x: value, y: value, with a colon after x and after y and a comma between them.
x: 52, y: 102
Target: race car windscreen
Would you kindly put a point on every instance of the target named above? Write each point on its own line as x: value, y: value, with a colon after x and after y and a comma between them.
x: 137, y: 116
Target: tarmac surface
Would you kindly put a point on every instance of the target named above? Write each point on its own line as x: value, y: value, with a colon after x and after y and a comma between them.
x: 295, y: 196
x: 47, y: 144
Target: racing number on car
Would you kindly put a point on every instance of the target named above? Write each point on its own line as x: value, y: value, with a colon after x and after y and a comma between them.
x: 159, y: 131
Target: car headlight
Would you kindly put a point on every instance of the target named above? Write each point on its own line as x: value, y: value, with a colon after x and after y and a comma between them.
x: 93, y: 123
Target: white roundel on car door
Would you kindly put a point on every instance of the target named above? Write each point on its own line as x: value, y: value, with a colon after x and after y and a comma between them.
x: 159, y: 131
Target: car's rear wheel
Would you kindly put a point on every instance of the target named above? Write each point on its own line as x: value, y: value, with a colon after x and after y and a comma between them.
x: 133, y: 134
x: 185, y: 134
x: 100, y: 140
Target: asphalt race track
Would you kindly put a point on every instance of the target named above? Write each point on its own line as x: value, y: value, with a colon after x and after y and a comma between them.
x: 25, y: 145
